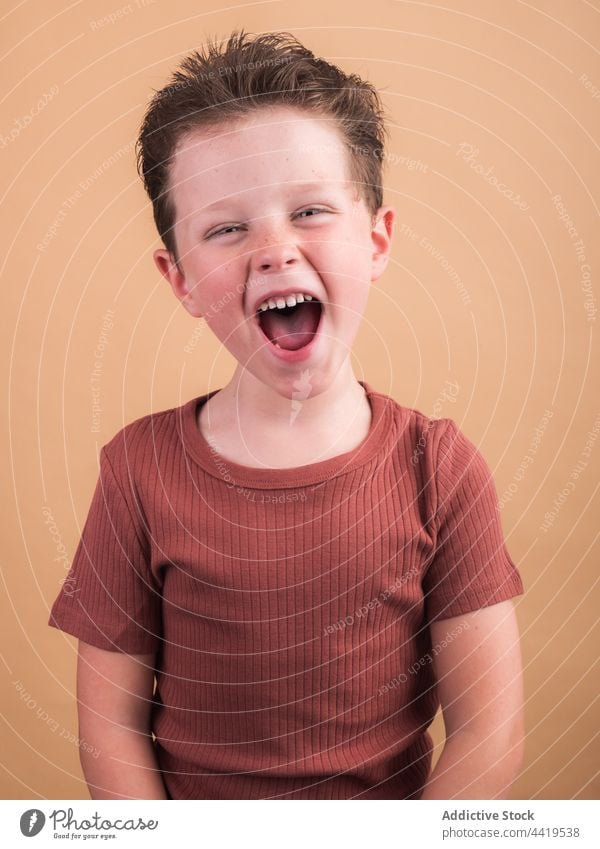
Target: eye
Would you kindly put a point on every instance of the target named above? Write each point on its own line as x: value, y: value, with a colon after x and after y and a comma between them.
x: 229, y: 229
x: 311, y: 209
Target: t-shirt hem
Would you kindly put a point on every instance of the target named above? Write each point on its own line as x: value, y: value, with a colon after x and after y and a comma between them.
x: 469, y: 602
x: 93, y: 636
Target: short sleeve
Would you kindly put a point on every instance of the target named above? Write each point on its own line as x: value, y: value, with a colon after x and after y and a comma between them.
x: 110, y: 597
x: 470, y: 567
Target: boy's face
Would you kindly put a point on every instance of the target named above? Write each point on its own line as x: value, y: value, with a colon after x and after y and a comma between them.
x: 265, y: 208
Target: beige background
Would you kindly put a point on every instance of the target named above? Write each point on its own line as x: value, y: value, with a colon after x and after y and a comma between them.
x: 488, y: 295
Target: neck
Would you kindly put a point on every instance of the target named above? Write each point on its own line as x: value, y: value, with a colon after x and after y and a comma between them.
x: 257, y: 425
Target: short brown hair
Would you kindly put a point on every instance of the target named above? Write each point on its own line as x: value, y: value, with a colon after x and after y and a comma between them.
x: 221, y: 84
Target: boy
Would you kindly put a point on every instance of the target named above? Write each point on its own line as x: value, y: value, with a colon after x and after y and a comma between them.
x: 307, y: 567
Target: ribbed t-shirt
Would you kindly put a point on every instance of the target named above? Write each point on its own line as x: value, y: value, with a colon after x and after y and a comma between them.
x: 289, y: 609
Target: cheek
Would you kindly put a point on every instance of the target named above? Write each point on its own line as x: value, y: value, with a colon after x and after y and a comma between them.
x: 225, y: 316
x: 348, y: 275
x: 349, y: 302
x: 224, y: 312
x: 219, y: 291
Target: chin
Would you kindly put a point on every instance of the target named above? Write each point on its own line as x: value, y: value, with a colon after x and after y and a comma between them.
x: 303, y: 383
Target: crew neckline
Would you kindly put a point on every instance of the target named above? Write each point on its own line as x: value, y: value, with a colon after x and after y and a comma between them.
x: 234, y: 474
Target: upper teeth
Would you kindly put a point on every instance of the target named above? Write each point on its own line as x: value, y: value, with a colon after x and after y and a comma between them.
x: 280, y: 303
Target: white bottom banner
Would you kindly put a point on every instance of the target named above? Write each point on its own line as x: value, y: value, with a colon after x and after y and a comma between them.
x: 287, y: 824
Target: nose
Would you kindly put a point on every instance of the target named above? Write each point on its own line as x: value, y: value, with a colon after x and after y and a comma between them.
x: 275, y: 252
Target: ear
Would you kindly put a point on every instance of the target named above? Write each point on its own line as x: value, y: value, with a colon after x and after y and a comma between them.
x: 177, y: 280
x: 381, y: 236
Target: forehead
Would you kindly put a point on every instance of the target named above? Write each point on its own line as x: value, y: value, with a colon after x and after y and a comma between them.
x: 272, y: 147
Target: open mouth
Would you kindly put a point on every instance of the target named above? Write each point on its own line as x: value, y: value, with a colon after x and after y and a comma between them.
x: 291, y: 328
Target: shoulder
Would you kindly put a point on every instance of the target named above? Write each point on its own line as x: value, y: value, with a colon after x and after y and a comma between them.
x: 417, y: 435
x: 458, y: 456
x: 463, y: 478
x: 445, y: 465
x: 430, y: 440
x: 134, y: 447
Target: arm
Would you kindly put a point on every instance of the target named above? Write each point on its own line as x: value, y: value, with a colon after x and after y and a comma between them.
x: 114, y: 697
x: 480, y: 690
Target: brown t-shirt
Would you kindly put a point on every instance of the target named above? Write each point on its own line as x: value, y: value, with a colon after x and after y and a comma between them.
x: 289, y: 608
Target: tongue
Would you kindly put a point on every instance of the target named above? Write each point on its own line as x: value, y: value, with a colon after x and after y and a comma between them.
x: 293, y: 328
